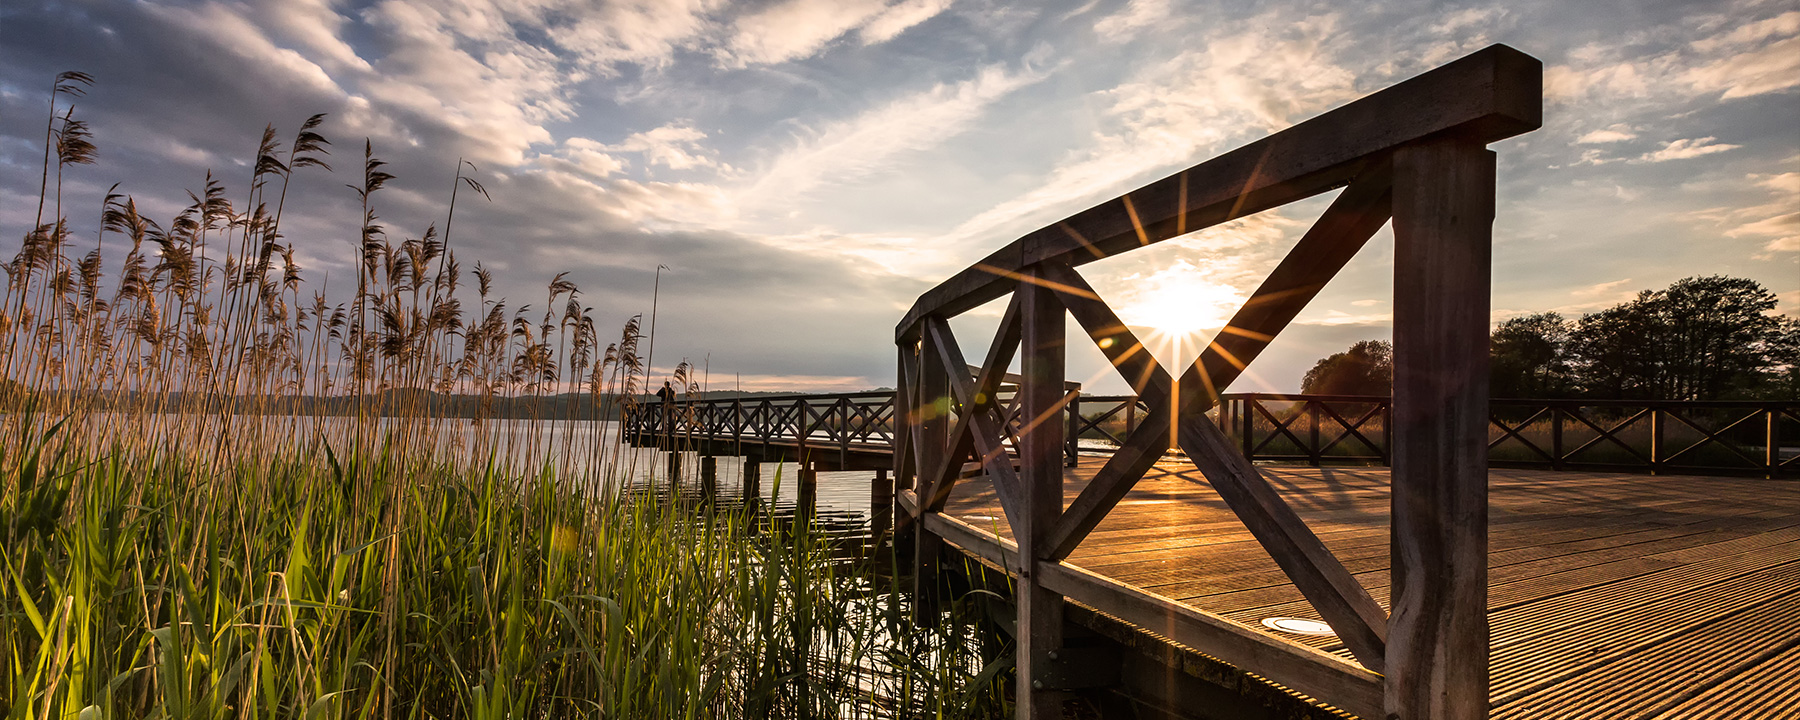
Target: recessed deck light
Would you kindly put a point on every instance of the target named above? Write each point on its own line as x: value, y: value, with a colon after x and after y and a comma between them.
x: 1297, y: 626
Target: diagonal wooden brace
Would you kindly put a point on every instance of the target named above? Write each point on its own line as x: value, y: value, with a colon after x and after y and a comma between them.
x: 1343, y: 602
x: 978, y: 423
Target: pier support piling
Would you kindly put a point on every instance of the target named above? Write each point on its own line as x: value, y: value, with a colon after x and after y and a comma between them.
x: 752, y: 485
x: 881, y: 507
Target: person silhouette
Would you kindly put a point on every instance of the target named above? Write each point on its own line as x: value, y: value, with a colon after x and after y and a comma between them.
x: 667, y: 396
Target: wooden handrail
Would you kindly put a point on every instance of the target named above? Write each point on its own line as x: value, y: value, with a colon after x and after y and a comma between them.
x: 1490, y: 95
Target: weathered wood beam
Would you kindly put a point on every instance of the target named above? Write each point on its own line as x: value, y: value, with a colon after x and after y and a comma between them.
x: 1492, y: 94
x: 932, y: 385
x: 1122, y: 348
x: 1122, y: 471
x: 1320, y: 674
x: 978, y: 423
x: 1354, y: 216
x: 1443, y: 242
x: 1040, y: 609
x: 1343, y: 602
x: 1145, y: 444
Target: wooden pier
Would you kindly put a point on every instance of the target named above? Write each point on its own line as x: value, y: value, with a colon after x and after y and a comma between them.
x: 1450, y: 591
x: 1623, y: 595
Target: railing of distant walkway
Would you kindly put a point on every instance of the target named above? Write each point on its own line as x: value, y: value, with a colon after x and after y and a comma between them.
x: 1710, y: 437
x: 816, y: 423
x: 1413, y: 153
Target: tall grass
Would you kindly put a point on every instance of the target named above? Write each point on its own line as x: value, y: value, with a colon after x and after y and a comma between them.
x: 185, y: 536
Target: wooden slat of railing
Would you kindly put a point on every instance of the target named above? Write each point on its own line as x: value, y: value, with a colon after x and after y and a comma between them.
x: 1123, y: 468
x: 1353, y: 217
x: 978, y: 423
x: 1343, y: 602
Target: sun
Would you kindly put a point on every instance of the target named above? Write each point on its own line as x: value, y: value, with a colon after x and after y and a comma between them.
x: 1180, y: 302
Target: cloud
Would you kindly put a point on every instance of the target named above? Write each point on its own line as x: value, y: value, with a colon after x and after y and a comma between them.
x: 1686, y: 148
x: 1617, y: 133
x: 1790, y: 243
x: 585, y: 156
x: 794, y: 29
x: 1244, y: 80
x: 796, y: 383
x: 643, y: 32
x: 1127, y: 23
x: 463, y: 72
x: 798, y: 29
x: 1604, y: 290
x: 675, y: 146
x: 1771, y: 68
x: 1788, y: 183
x: 236, y: 34
x: 865, y: 144
x: 1594, y: 297
x: 899, y: 18
x: 1731, y: 58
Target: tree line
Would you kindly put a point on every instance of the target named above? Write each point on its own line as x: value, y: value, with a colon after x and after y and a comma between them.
x: 1701, y: 338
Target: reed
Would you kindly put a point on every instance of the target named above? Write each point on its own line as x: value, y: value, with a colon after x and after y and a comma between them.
x: 227, y: 493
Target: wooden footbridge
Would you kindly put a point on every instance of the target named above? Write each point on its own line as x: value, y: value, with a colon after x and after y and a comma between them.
x: 1432, y: 555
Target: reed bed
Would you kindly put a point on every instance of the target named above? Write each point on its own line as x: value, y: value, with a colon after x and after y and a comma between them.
x: 227, y: 493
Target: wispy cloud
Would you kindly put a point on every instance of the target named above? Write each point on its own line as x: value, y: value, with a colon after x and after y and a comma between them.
x: 642, y: 32
x: 1686, y: 148
x: 795, y: 29
x: 1137, y: 16
x: 1730, y: 59
x: 859, y: 146
x: 675, y: 146
x: 1616, y: 133
x: 900, y: 17
x: 1245, y: 80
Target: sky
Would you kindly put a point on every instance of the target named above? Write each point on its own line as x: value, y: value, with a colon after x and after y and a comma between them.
x: 804, y: 169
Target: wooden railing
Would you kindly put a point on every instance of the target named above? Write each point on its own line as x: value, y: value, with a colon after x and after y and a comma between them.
x: 1717, y: 438
x: 1413, y: 153
x: 840, y: 421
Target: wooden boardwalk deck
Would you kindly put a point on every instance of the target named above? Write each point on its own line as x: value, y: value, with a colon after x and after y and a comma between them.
x: 1610, y: 596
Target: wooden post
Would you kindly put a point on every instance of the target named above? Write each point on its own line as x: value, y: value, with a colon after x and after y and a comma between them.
x: 1772, y: 441
x: 752, y: 485
x: 1249, y: 414
x: 1657, y: 452
x: 709, y: 476
x: 1437, y: 644
x: 674, y: 468
x: 1313, y: 451
x: 933, y: 382
x: 1072, y: 437
x: 1556, y: 438
x: 881, y: 506
x: 809, y: 492
x: 1387, y: 430
x: 1040, y: 610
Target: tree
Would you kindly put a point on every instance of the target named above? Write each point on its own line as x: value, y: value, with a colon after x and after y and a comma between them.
x: 1367, y: 368
x: 1701, y: 338
x: 1528, y: 359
